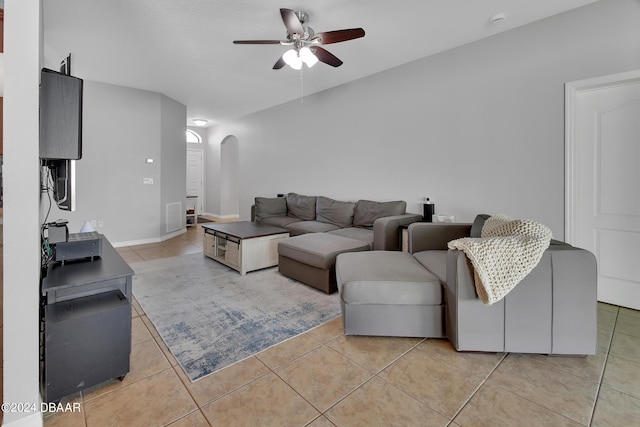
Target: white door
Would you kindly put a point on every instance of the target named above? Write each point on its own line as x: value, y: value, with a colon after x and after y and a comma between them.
x: 603, y: 181
x: 195, y: 176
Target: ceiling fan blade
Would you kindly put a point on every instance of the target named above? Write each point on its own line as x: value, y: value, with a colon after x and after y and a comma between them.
x: 326, y: 56
x: 279, y: 64
x: 339, y: 35
x: 291, y: 21
x: 256, y: 42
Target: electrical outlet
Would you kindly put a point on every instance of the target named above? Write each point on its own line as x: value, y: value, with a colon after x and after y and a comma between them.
x: 147, y: 180
x: 94, y: 223
x: 101, y: 223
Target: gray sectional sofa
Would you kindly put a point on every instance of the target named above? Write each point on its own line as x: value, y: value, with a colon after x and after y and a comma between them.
x: 321, y: 228
x: 430, y: 292
x: 369, y: 221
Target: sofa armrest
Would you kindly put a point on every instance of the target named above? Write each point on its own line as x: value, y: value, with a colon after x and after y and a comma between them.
x: 426, y: 236
x: 386, y: 231
x: 575, y: 300
x: 553, y: 310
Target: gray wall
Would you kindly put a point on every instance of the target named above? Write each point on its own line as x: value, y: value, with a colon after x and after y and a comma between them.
x: 212, y: 186
x: 479, y: 128
x: 229, y: 176
x: 121, y: 128
x: 222, y: 173
x: 173, y: 157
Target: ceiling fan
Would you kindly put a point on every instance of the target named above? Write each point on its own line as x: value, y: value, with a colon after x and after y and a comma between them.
x: 305, y: 43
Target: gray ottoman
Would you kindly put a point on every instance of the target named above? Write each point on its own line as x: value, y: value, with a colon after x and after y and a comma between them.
x: 389, y: 293
x: 310, y: 258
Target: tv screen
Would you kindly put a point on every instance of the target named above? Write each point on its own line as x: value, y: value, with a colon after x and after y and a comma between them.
x: 60, y: 116
x: 63, y: 182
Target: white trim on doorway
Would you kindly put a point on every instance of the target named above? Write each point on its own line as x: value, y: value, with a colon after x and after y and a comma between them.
x: 572, y: 90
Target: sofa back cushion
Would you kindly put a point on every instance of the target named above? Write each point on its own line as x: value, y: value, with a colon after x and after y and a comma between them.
x: 478, y: 223
x: 367, y: 211
x: 270, y: 207
x: 334, y: 211
x: 303, y: 207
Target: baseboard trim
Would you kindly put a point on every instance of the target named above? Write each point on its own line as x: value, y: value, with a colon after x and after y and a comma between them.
x: 219, y: 217
x: 147, y: 241
x: 33, y: 420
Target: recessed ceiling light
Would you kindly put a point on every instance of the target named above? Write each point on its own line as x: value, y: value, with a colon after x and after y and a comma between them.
x: 499, y: 17
x: 200, y: 122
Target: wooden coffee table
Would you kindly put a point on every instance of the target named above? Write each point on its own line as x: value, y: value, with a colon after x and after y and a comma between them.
x: 244, y: 245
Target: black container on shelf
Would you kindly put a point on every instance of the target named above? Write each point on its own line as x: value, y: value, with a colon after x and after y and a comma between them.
x: 429, y: 210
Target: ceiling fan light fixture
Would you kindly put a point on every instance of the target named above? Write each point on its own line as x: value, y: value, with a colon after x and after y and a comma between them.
x: 308, y: 57
x: 300, y: 37
x: 292, y: 59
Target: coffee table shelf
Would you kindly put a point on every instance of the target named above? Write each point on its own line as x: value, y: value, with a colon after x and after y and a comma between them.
x: 244, y: 246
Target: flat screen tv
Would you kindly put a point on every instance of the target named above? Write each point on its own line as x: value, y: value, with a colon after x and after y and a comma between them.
x: 63, y: 183
x: 60, y: 116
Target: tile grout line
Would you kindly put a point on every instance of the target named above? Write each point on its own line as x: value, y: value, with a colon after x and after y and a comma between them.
x: 466, y: 402
x: 373, y: 376
x: 604, y: 368
x: 186, y: 389
x: 186, y: 415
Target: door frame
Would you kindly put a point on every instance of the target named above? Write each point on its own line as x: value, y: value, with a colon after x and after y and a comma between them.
x: 572, y: 91
x: 201, y: 200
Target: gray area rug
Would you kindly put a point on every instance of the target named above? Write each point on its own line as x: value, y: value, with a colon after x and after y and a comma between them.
x: 211, y: 317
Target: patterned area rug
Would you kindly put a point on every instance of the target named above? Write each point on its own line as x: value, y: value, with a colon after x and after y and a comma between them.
x: 211, y: 317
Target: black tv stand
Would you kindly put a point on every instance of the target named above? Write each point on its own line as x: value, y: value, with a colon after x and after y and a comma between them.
x: 86, y: 323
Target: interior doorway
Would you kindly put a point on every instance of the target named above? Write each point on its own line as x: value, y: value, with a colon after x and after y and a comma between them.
x: 602, y: 180
x: 195, y: 177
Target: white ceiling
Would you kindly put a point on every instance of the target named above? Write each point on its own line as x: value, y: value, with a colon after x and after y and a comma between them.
x: 183, y: 48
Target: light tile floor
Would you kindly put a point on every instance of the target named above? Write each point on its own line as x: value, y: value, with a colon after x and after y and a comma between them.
x: 324, y: 378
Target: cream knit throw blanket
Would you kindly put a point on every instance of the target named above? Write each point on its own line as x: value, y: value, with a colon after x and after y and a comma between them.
x: 504, y: 254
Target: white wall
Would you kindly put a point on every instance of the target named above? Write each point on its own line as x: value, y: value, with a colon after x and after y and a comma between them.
x: 122, y: 127
x: 479, y: 128
x: 21, y: 175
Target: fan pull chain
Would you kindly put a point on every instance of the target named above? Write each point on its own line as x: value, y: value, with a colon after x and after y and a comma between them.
x: 302, y: 85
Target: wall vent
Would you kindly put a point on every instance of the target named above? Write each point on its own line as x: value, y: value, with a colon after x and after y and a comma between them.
x: 174, y: 216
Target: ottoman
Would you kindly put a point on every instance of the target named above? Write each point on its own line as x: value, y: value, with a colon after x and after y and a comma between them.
x: 310, y: 258
x: 389, y: 293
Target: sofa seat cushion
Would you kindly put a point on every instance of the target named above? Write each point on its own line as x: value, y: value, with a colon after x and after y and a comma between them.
x: 435, y: 262
x: 303, y: 227
x: 386, y: 277
x: 318, y: 249
x: 279, y: 221
x: 358, y: 233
